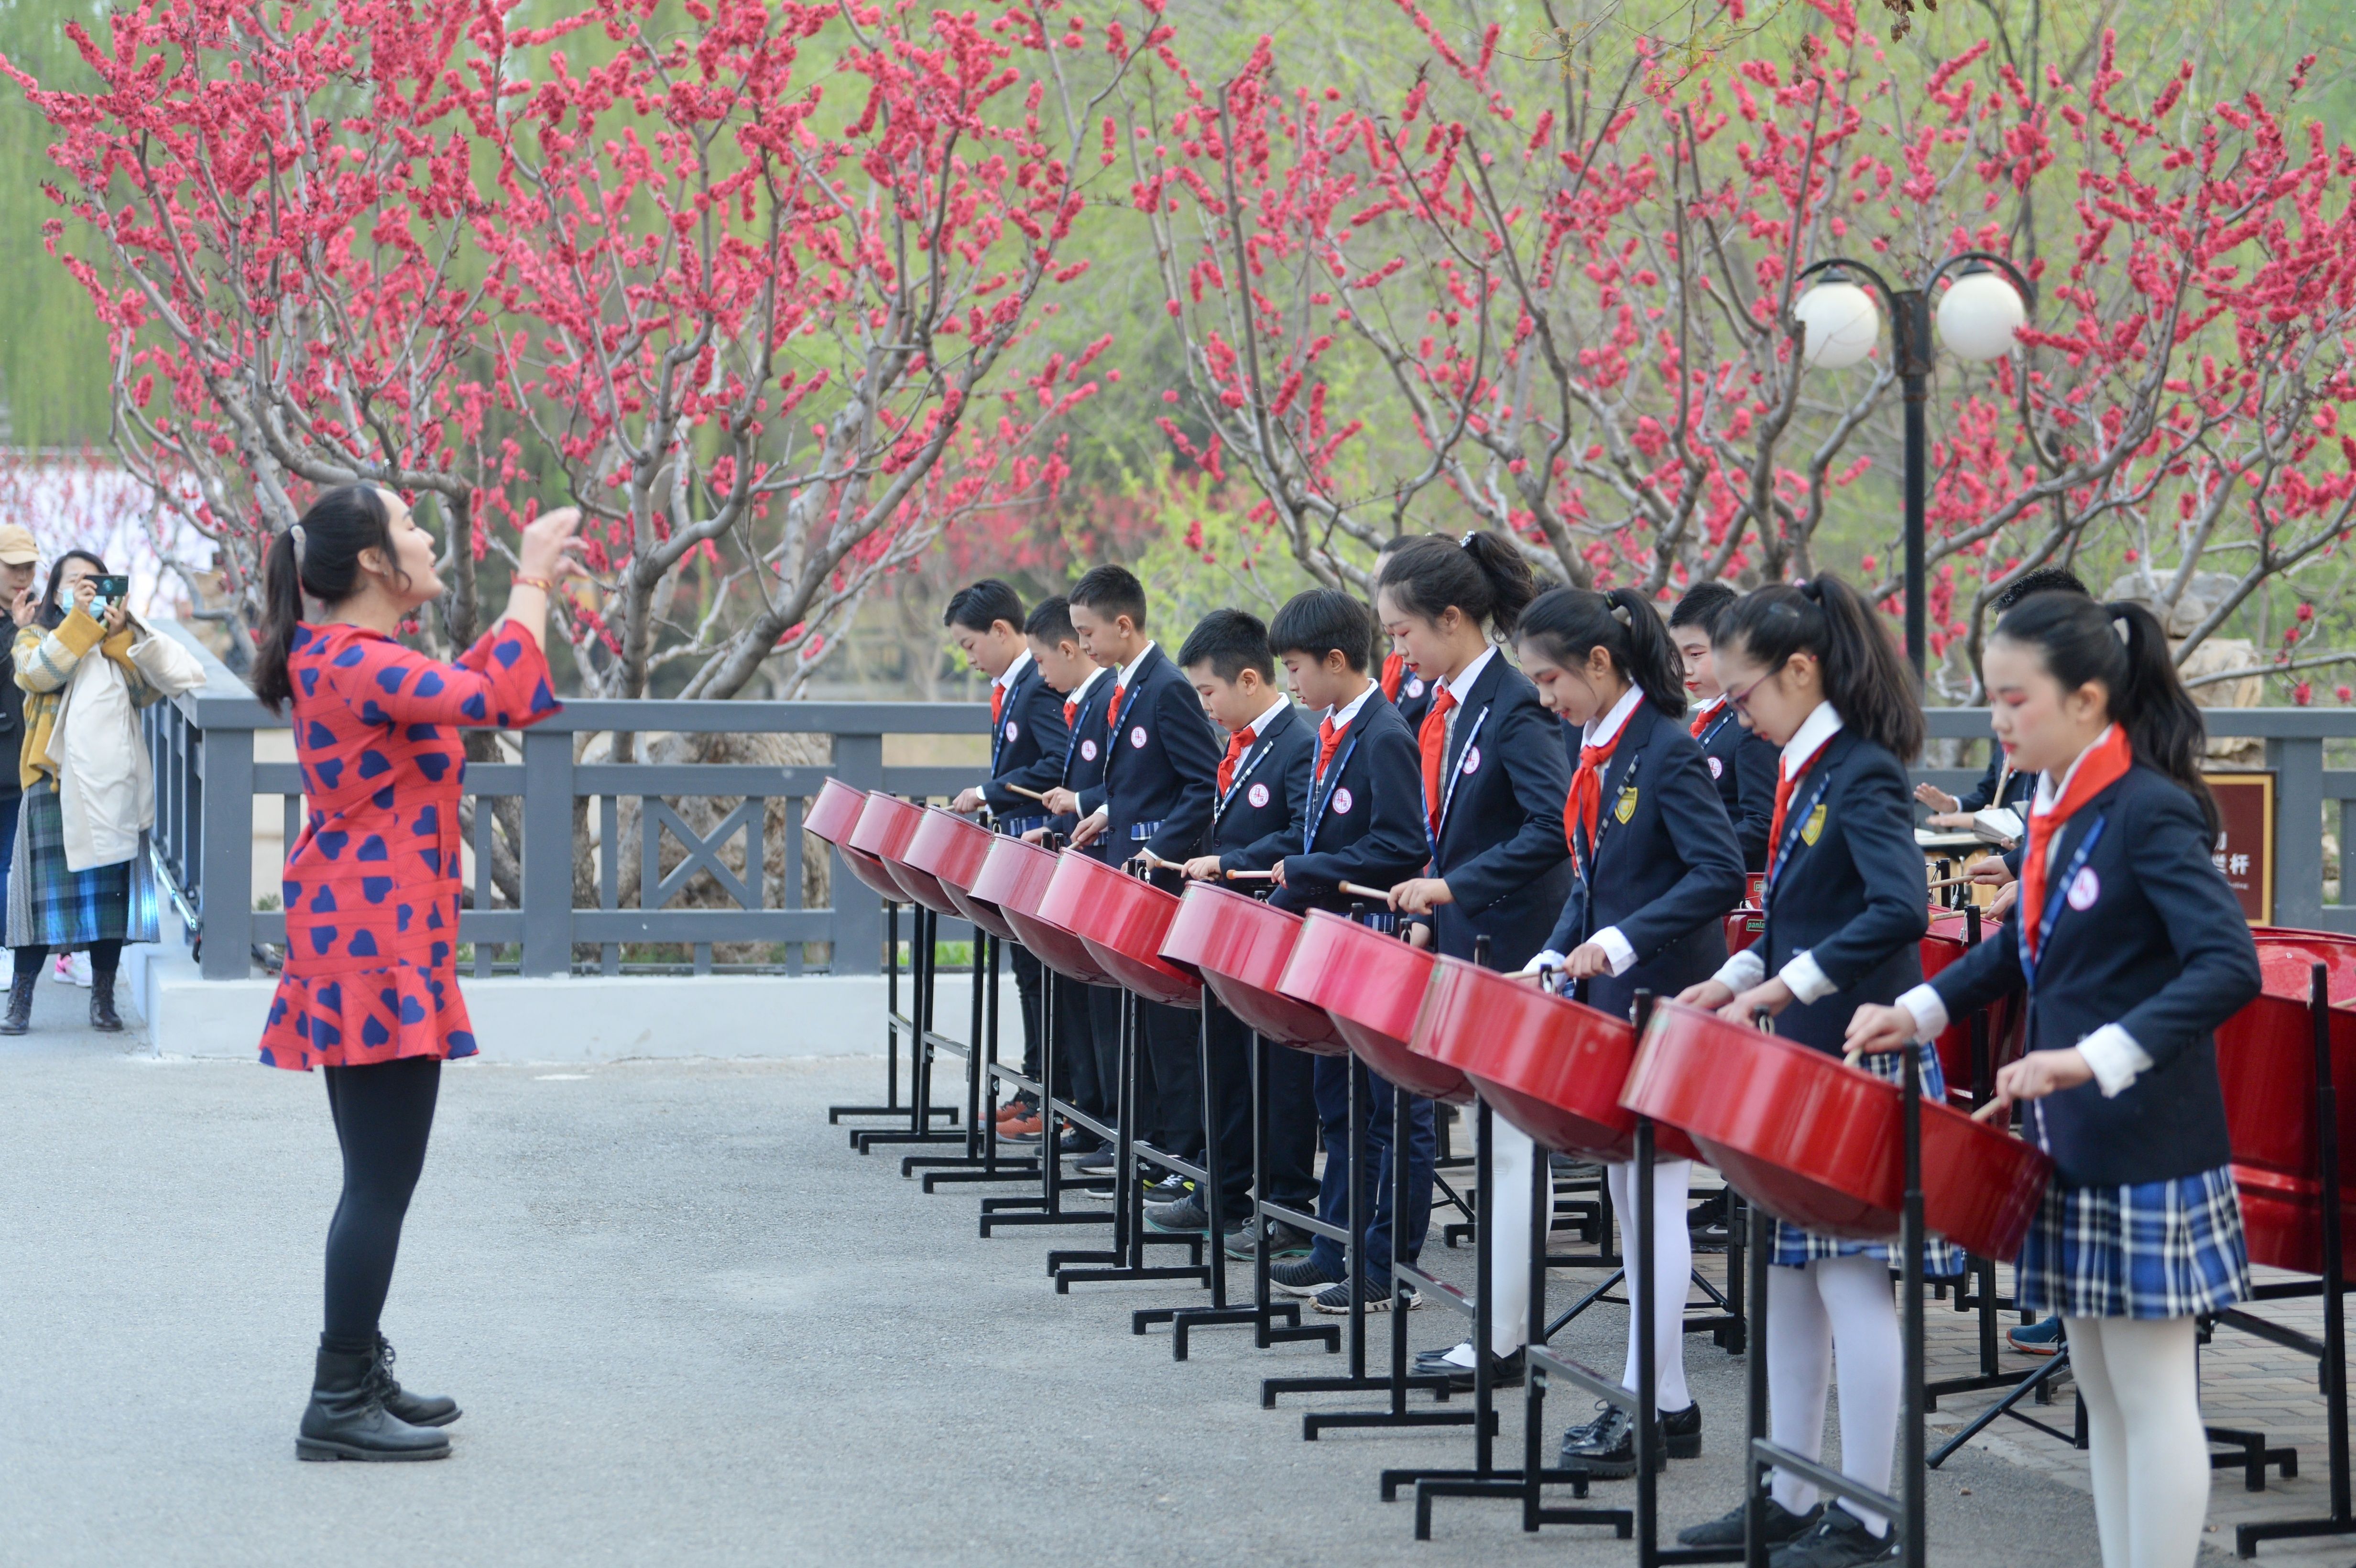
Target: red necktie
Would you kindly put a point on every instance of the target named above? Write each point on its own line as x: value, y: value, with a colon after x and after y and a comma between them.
x: 2105, y: 763
x: 1586, y: 801
x: 998, y: 705
x: 1112, y: 714
x: 1708, y: 712
x: 1394, y: 673
x: 1784, y: 788
x: 1071, y: 710
x: 1329, y: 741
x: 1237, y: 744
x: 1433, y: 740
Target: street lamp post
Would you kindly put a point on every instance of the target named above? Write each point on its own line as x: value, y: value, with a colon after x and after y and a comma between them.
x: 1837, y: 323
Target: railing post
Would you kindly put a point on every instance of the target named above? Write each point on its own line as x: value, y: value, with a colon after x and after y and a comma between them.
x: 2297, y: 763
x: 225, y: 898
x: 857, y: 911
x: 547, y: 853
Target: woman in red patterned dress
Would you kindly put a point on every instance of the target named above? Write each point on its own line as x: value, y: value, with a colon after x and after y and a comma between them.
x: 369, y: 993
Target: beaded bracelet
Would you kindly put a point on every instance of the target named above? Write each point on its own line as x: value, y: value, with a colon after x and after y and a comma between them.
x: 542, y: 583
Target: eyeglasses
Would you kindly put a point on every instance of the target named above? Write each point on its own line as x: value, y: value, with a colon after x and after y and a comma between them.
x: 1740, y: 699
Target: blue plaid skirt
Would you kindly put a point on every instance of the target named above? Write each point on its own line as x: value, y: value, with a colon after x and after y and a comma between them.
x: 2158, y: 1249
x: 62, y: 910
x: 1793, y: 1247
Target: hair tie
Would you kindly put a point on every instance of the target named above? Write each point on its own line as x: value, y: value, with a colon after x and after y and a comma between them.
x: 295, y: 533
x: 1619, y: 613
x: 1466, y: 542
x: 2127, y: 632
x: 1811, y: 591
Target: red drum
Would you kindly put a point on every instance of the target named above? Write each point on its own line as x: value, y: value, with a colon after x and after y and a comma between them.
x: 1372, y: 987
x: 1551, y: 1066
x: 948, y: 850
x: 877, y: 839
x: 1944, y: 945
x: 833, y: 812
x: 1743, y: 927
x: 1821, y: 1144
x: 1241, y: 945
x: 1122, y: 919
x: 1012, y: 881
x: 2266, y: 1062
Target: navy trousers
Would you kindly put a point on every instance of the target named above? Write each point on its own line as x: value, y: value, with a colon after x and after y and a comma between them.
x: 1375, y: 1111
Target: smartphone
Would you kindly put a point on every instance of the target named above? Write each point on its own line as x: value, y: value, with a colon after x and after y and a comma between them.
x: 110, y: 590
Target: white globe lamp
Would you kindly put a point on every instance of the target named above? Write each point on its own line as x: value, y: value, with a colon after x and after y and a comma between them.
x: 1842, y: 322
x: 1981, y: 315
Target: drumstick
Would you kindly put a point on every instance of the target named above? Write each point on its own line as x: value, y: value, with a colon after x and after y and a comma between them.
x: 1988, y: 1111
x: 1026, y: 794
x: 1251, y: 875
x: 1360, y: 891
x: 1946, y: 882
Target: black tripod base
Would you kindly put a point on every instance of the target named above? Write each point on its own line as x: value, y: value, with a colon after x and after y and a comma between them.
x: 866, y: 1140
x: 834, y: 1114
x: 1067, y: 1278
x: 1507, y: 1486
x: 1320, y: 1421
x: 1270, y: 1388
x: 2246, y: 1536
x: 2247, y: 1452
x: 953, y: 1172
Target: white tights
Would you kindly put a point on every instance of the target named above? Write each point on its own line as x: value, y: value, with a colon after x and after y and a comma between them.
x: 1672, y: 1268
x: 2145, y: 1441
x: 1512, y: 1156
x: 1843, y: 1304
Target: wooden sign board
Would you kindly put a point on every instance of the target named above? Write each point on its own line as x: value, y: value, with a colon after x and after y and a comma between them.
x: 2245, y: 851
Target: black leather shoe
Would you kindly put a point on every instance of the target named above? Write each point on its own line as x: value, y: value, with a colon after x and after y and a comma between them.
x: 1782, y: 1525
x: 1505, y: 1371
x: 417, y: 1409
x: 347, y: 1418
x: 1605, y: 1448
x: 20, y: 1006
x: 1838, y: 1539
x: 103, y: 1016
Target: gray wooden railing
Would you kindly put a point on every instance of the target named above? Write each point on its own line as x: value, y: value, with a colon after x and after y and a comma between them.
x: 207, y: 777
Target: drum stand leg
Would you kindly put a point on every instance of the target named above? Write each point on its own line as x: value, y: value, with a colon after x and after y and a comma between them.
x: 981, y: 1161
x: 892, y: 1106
x: 1048, y: 1208
x: 2341, y: 1520
x: 920, y: 1025
x: 1354, y: 1246
x: 1126, y: 1261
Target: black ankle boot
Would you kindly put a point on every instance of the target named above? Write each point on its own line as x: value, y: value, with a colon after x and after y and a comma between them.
x: 347, y: 1418
x: 103, y: 1016
x: 20, y: 1006
x: 417, y: 1409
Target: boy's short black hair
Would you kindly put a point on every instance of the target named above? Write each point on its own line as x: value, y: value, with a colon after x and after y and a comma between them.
x: 1230, y: 642
x: 1322, y: 620
x: 1703, y: 604
x: 1051, y: 622
x: 981, y: 605
x: 2044, y: 580
x: 1112, y: 592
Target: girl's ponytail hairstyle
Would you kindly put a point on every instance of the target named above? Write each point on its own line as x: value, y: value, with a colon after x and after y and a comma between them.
x: 1569, y: 622
x: 1482, y: 575
x: 1869, y: 684
x: 2123, y: 646
x: 319, y: 556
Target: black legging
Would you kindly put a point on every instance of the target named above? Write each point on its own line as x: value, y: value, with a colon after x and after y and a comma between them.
x: 106, y: 957
x: 385, y: 1113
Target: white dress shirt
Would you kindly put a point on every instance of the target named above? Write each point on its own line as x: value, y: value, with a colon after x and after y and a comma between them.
x: 1600, y: 731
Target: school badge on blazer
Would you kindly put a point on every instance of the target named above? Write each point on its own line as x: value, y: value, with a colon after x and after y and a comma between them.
x: 1814, y: 828
x: 1627, y: 806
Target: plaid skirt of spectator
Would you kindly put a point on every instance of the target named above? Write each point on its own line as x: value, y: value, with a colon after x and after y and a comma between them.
x: 61, y: 910
x: 2158, y: 1249
x: 1793, y: 1247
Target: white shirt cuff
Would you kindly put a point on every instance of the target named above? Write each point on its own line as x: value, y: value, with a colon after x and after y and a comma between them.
x: 1807, y: 980
x: 1929, y: 1013
x: 1101, y: 814
x: 1741, y: 971
x: 2115, y: 1058
x: 1615, y: 948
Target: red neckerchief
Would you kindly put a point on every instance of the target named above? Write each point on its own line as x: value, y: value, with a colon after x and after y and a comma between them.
x: 998, y: 705
x: 1329, y: 741
x: 1585, y: 802
x: 1432, y: 741
x: 1237, y: 744
x: 2104, y: 764
x: 1394, y: 674
x: 1709, y: 712
x: 1783, y: 789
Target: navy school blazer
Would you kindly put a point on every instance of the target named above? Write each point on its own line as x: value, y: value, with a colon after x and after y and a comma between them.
x: 1161, y: 767
x: 1027, y: 748
x: 1364, y: 820
x: 1503, y: 782
x: 1084, y: 750
x: 2146, y: 935
x: 1665, y: 870
x: 1258, y: 819
x: 1847, y: 889
x: 1743, y: 767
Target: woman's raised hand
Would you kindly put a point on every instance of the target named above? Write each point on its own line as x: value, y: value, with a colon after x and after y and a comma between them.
x: 550, y: 549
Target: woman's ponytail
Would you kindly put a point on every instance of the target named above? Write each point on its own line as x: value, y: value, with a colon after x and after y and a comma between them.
x: 1480, y: 574
x: 1869, y: 684
x: 319, y: 556
x: 1569, y: 623
x: 2123, y: 646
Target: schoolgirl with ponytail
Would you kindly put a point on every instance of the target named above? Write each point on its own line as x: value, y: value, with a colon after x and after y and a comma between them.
x: 1654, y: 869
x: 2132, y: 949
x: 1495, y: 775
x: 1811, y: 670
x: 370, y: 991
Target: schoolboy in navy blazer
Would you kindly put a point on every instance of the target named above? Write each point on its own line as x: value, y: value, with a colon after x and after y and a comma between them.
x: 1256, y: 821
x: 1026, y: 748
x: 1364, y: 819
x: 1084, y: 748
x: 1664, y: 874
x: 1499, y: 846
x: 1742, y: 770
x: 1161, y: 767
x: 2148, y: 937
x: 1847, y: 887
